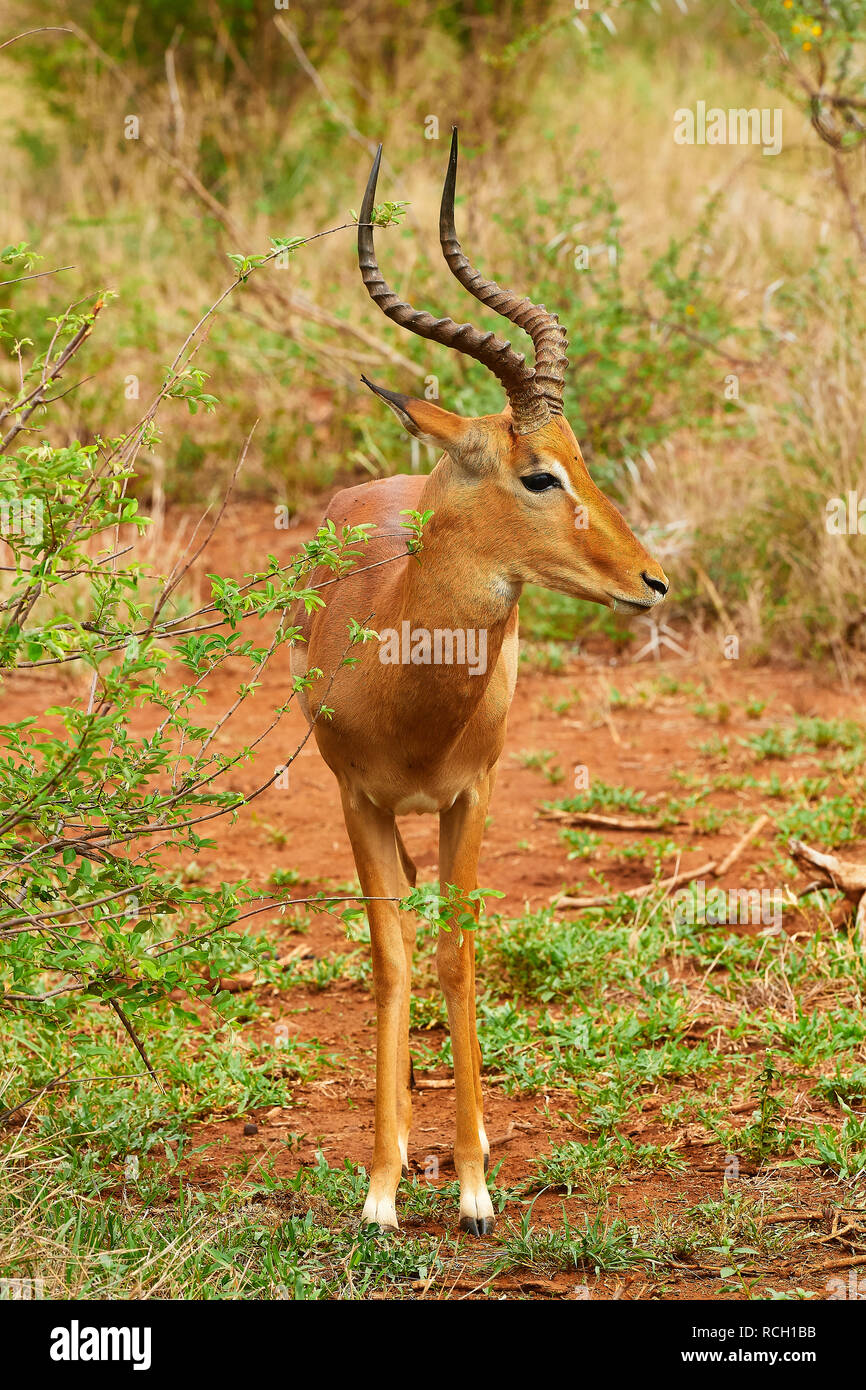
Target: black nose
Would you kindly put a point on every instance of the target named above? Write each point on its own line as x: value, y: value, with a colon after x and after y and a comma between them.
x: 658, y: 586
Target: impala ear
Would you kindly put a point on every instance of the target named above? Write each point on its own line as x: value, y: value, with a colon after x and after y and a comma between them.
x: 426, y: 421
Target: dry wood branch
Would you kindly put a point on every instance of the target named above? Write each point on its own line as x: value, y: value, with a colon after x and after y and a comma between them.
x: 435, y: 1083
x: 36, y: 1095
x: 844, y: 187
x: 741, y: 846
x: 45, y: 29
x: 843, y: 874
x: 177, y: 111
x: 282, y: 304
x: 297, y: 48
x: 606, y: 822
x: 850, y: 1263
x: 715, y: 597
x: 777, y: 1218
x: 136, y: 1041
x: 223, y: 33
x: 674, y: 881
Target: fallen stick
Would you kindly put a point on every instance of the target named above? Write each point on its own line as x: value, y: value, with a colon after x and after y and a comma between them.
x: 843, y: 874
x: 781, y: 1216
x: 497, y: 1140
x: 850, y: 1263
x: 462, y: 1284
x: 435, y: 1083
x: 612, y: 729
x: 605, y: 822
x: 742, y: 844
x: 644, y: 891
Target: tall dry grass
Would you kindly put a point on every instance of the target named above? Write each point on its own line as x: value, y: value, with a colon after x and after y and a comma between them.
x: 243, y: 141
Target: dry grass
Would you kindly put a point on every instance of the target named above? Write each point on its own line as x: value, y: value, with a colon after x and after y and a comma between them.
x: 746, y: 490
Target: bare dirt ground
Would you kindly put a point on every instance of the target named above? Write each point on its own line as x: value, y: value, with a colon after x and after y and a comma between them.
x: 524, y: 857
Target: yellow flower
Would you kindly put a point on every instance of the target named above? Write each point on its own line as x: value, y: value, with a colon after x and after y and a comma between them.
x: 690, y: 309
x: 795, y: 28
x: 816, y: 29
x: 807, y: 46
x: 789, y: 4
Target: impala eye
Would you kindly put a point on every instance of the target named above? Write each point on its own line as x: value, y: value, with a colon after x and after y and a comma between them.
x: 539, y: 482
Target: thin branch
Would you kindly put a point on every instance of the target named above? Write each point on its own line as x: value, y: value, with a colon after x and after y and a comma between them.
x: 138, y: 1044
x: 39, y: 274
x: 45, y: 29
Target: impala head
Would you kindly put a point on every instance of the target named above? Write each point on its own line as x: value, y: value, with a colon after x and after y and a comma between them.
x: 528, y: 488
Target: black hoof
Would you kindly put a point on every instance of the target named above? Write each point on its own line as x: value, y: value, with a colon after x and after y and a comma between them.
x: 405, y: 1170
x: 482, y: 1227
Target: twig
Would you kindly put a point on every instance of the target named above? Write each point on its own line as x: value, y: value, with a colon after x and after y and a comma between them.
x: 643, y: 892
x: 32, y: 1099
x: 741, y: 846
x: 45, y: 29
x: 605, y: 822
x: 294, y: 42
x: 850, y: 1263
x: 715, y: 597
x: 139, y: 1045
x: 178, y: 117
x: 50, y: 373
x: 229, y: 46
x: 66, y: 1080
x: 777, y: 1218
x: 39, y: 274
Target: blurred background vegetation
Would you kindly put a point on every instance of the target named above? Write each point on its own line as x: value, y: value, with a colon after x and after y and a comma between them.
x: 718, y: 338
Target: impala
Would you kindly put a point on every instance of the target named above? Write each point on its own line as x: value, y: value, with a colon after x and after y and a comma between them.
x: 512, y: 503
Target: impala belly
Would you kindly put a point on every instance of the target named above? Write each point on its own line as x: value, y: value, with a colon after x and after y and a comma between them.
x: 404, y: 782
x: 419, y: 804
x: 422, y: 774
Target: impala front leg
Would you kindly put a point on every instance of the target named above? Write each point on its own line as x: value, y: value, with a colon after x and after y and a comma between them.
x: 374, y: 845
x: 460, y: 832
x: 408, y: 922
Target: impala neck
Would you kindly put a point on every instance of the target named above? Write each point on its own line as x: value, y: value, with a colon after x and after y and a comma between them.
x: 456, y: 586
x: 460, y: 577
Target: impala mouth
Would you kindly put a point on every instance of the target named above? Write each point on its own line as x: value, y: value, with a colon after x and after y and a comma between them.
x: 631, y: 605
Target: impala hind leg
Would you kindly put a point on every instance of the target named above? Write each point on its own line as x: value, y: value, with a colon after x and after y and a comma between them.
x: 374, y: 846
x: 408, y: 928
x: 460, y: 831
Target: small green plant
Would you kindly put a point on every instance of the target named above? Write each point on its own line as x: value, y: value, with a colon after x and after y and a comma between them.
x: 765, y: 1136
x: 604, y: 797
x: 598, y: 1245
x: 571, y: 1163
x: 583, y: 844
x: 129, y: 771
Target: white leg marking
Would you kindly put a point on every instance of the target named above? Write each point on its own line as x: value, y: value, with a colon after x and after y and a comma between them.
x: 379, y: 1210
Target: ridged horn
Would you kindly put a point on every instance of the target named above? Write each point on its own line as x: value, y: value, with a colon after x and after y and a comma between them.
x: 529, y: 407
x: 547, y: 334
